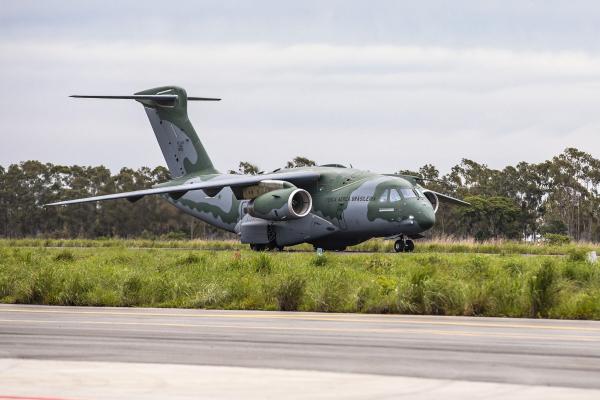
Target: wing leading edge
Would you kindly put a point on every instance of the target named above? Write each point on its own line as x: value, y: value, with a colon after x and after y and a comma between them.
x: 444, y: 198
x: 217, y: 183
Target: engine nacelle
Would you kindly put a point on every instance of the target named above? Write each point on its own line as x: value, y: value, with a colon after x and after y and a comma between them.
x: 281, y: 204
x: 433, y: 199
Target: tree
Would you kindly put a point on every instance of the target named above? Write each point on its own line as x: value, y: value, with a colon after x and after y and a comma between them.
x: 246, y: 168
x: 25, y: 187
x: 300, y: 161
x: 490, y: 217
x: 554, y: 226
x: 560, y: 195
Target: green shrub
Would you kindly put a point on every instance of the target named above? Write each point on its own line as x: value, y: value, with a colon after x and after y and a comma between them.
x: 577, y: 254
x: 289, y: 292
x: 579, y: 272
x: 543, y: 289
x: 319, y: 260
x: 176, y: 235
x: 211, y: 295
x: 515, y: 267
x: 556, y: 239
x: 330, y: 292
x: 580, y: 306
x: 190, y: 259
x: 379, y: 295
x: 424, y: 293
x: 378, y: 263
x: 131, y: 291
x: 263, y: 263
x: 65, y: 256
x: 430, y: 283
x: 75, y: 290
x: 41, y: 287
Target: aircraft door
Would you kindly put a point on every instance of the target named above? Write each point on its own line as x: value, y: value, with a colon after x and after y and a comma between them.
x: 389, y: 204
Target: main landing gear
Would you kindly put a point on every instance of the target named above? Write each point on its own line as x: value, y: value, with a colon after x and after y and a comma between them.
x: 404, y: 246
x: 265, y: 247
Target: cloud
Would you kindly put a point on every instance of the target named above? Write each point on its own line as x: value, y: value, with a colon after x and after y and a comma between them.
x: 380, y: 107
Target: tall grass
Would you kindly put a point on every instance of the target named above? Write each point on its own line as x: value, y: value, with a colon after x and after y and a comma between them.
x: 418, y: 283
x: 440, y: 245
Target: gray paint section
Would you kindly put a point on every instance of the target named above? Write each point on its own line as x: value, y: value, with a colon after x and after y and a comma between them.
x: 175, y: 145
x: 355, y: 214
x: 297, y: 231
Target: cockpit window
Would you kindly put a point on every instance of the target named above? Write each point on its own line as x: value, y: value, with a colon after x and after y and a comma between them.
x: 408, y: 193
x: 394, y: 195
x: 384, y: 196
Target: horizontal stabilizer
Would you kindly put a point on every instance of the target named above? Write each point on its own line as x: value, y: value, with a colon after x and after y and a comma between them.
x: 163, y: 99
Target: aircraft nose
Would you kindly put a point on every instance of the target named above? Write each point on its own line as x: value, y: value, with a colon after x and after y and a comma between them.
x: 426, y: 219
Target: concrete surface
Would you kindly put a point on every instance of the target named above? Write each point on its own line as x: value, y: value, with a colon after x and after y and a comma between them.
x: 72, y: 351
x: 107, y: 380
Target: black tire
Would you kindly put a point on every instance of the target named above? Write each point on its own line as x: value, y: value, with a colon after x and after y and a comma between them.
x: 399, y: 246
x: 258, y: 247
x: 409, y: 246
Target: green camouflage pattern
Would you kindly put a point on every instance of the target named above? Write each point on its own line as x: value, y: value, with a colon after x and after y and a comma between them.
x: 349, y: 205
x: 349, y: 199
x: 181, y: 147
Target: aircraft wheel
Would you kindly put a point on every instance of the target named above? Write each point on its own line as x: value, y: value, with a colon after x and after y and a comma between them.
x: 409, y: 246
x: 338, y: 249
x: 258, y: 247
x: 400, y: 246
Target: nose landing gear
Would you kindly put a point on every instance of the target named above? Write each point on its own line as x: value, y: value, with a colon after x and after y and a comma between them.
x: 401, y: 245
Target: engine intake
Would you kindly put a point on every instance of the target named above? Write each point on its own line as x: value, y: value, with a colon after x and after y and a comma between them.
x: 433, y: 199
x: 281, y: 204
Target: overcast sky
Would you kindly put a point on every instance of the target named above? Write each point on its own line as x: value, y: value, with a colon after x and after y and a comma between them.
x: 382, y: 85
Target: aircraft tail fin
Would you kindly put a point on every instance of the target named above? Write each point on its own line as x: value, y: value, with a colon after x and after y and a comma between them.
x: 166, y: 108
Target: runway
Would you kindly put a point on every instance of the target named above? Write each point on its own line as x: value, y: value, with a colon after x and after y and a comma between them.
x: 431, y: 356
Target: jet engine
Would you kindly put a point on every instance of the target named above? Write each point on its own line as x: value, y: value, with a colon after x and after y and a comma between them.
x: 281, y: 204
x: 433, y: 199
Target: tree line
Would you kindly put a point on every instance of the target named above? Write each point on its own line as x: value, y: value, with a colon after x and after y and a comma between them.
x: 559, y: 196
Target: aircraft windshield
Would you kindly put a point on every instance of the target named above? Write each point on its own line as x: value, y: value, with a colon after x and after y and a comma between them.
x: 384, y: 196
x: 408, y: 193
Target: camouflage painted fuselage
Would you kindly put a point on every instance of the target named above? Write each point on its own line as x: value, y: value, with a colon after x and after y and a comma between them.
x: 350, y: 206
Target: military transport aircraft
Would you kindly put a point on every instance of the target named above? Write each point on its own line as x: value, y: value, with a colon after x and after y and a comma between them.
x: 329, y: 206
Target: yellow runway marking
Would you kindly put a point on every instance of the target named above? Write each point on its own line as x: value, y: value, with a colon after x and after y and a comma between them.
x: 385, y: 319
x: 316, y: 329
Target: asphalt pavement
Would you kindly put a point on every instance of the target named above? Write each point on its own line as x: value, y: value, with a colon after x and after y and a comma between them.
x: 335, y: 355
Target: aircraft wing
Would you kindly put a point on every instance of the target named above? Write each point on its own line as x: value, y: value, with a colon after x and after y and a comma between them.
x: 444, y: 198
x: 213, y: 185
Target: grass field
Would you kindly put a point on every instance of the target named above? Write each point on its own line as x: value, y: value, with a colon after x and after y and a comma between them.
x: 375, y: 245
x: 110, y: 273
